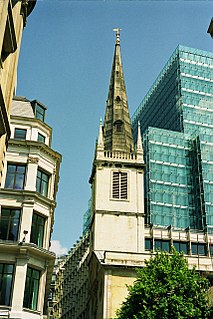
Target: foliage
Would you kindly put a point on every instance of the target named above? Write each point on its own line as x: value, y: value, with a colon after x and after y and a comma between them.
x: 166, y: 289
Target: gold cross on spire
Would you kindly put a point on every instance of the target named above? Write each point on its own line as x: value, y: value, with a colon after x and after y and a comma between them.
x: 117, y: 30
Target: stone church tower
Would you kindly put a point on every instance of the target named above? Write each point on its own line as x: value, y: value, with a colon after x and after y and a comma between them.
x: 94, y: 275
x: 117, y: 212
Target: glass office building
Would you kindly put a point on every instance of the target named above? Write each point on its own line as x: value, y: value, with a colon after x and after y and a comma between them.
x: 176, y: 119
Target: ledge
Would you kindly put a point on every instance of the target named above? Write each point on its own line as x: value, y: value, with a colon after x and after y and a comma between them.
x: 20, y: 247
x: 27, y: 196
x: 37, y: 145
x: 134, y: 260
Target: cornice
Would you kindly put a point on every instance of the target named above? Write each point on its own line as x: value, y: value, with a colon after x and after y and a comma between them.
x: 23, y: 250
x: 29, y: 120
x: 113, y: 163
x: 28, y: 197
x: 36, y: 145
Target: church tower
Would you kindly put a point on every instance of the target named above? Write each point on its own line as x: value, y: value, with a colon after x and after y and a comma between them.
x: 117, y: 179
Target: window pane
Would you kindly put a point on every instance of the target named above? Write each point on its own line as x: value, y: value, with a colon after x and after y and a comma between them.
x: 6, y: 278
x: 39, y: 112
x: 44, y: 187
x: 15, y: 176
x: 165, y: 245
x: 31, y: 289
x: 41, y: 138
x: 20, y: 169
x: 148, y: 244
x: 184, y: 247
x: 176, y: 245
x: 9, y: 224
x: 157, y: 244
x: 181, y: 246
x: 202, y: 249
x: 37, y: 230
x: 11, y: 168
x: 194, y: 249
x: 19, y: 181
x: 20, y: 134
x: 42, y: 183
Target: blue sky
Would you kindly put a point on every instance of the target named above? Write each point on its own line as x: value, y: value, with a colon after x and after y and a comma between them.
x: 65, y: 62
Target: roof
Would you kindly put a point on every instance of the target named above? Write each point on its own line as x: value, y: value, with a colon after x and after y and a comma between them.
x: 22, y: 107
x: 117, y: 126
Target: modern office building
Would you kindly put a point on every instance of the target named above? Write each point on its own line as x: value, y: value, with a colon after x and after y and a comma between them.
x: 176, y: 119
x: 27, y: 202
x: 150, y: 197
x: 13, y: 15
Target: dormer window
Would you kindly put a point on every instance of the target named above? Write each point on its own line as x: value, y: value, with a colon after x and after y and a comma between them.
x: 118, y: 99
x: 118, y: 126
x: 39, y: 110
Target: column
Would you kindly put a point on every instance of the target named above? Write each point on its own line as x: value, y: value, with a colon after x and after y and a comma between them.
x: 19, y: 284
x: 26, y: 221
x: 31, y: 174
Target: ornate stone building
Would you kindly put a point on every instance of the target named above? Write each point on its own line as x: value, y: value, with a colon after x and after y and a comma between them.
x: 27, y: 202
x: 13, y: 15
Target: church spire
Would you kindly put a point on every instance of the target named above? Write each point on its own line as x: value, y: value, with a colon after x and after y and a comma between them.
x: 117, y: 126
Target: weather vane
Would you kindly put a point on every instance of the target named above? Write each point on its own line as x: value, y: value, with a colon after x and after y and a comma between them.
x: 117, y: 30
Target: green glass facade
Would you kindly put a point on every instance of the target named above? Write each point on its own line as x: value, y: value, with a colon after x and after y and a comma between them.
x: 176, y: 119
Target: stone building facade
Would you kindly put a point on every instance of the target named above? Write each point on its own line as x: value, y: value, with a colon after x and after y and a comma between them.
x: 27, y: 202
x: 13, y: 15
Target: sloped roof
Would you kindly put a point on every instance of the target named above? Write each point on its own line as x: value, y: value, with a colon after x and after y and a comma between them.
x: 22, y: 107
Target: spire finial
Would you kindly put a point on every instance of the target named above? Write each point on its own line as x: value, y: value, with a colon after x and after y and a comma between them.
x: 117, y: 30
x: 139, y: 149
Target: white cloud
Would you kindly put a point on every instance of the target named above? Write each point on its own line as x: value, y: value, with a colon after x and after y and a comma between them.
x: 57, y: 248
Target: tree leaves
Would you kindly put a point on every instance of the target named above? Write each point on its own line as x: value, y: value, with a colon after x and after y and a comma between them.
x: 166, y: 289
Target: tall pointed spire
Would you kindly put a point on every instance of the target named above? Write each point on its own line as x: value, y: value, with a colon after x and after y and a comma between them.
x: 117, y: 126
x: 139, y: 149
x: 100, y: 144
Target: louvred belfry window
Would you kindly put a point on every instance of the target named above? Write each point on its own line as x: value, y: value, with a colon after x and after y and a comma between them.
x: 119, y: 185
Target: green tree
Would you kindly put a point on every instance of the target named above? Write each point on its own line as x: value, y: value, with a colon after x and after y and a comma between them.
x: 167, y: 289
